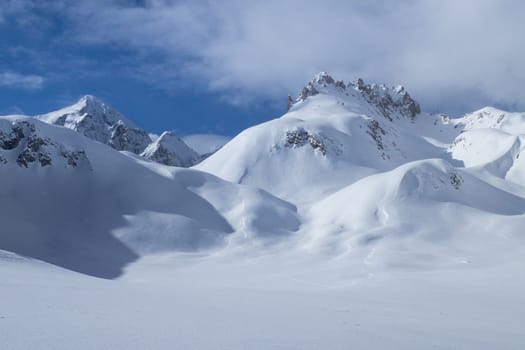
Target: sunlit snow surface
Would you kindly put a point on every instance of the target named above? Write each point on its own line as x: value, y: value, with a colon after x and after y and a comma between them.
x: 348, y: 223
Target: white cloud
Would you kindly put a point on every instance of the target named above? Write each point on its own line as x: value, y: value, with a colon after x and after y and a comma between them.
x: 450, y: 54
x: 19, y: 81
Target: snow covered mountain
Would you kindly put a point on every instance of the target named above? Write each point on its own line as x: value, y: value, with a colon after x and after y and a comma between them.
x: 333, y: 135
x: 491, y: 141
x: 394, y: 227
x: 360, y: 160
x: 100, y: 122
x: 169, y: 149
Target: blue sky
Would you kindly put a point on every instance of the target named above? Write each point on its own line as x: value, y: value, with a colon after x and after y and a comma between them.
x: 47, y: 69
x: 221, y: 66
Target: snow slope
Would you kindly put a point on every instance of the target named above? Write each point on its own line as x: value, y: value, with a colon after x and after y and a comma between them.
x: 81, y: 205
x: 179, y: 302
x: 491, y: 142
x: 424, y: 214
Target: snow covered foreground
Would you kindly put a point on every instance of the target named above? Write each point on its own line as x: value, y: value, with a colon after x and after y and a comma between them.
x: 174, y: 302
x: 353, y: 221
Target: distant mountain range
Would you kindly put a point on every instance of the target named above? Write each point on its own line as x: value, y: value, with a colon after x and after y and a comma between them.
x: 98, y: 121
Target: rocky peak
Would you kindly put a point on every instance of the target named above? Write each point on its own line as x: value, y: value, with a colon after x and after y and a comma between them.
x: 95, y: 107
x: 91, y: 102
x: 98, y: 121
x: 169, y: 149
x: 323, y: 78
x: 388, y: 101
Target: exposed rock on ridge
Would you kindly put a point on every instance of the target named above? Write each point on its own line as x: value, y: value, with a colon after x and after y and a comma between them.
x: 21, y: 143
x: 388, y: 101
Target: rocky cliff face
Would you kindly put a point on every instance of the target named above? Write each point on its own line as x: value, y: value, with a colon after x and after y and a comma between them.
x: 124, y: 138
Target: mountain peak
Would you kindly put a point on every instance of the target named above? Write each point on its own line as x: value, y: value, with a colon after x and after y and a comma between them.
x: 90, y: 99
x: 323, y: 78
x: 388, y: 100
x: 96, y: 108
x: 96, y: 120
x: 90, y: 107
x: 91, y: 102
x: 169, y: 149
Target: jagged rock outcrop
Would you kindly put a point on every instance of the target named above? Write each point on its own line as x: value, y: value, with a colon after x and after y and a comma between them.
x: 376, y: 132
x: 307, y: 91
x: 289, y: 102
x: 301, y: 137
x: 388, y: 101
x: 21, y: 143
x: 11, y: 139
x: 124, y: 138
